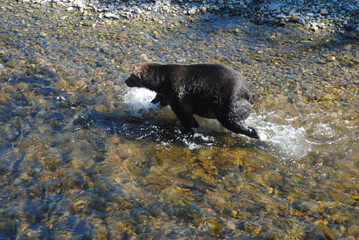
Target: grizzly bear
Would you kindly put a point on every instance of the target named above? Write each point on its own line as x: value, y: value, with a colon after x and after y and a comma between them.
x: 207, y: 90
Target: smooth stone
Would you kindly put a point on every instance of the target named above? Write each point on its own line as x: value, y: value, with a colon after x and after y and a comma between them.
x: 274, y: 7
x: 79, y: 4
x: 111, y: 15
x: 192, y: 11
x: 300, y: 21
x: 324, y: 11
x: 137, y: 10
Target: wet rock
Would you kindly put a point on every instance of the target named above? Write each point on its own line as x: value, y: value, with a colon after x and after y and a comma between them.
x: 203, y: 9
x: 212, y: 225
x: 331, y: 59
x: 293, y: 18
x: 342, y: 229
x: 281, y: 16
x: 286, y: 10
x: 21, y: 100
x: 79, y: 4
x: 29, y: 79
x: 99, y: 229
x: 324, y: 12
x: 324, y: 230
x: 137, y: 10
x: 249, y: 227
x: 275, y: 7
x: 192, y: 11
x: 300, y: 21
x: 313, y: 27
x: 353, y: 230
x: 111, y: 15
x: 354, y: 33
x: 9, y: 64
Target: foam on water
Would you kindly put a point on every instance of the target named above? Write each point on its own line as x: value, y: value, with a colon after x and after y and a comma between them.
x: 289, y: 142
x: 285, y: 138
x: 139, y: 103
x: 139, y: 100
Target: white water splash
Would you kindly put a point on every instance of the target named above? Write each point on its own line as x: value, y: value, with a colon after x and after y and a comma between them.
x: 286, y: 138
x: 139, y: 100
x: 289, y: 142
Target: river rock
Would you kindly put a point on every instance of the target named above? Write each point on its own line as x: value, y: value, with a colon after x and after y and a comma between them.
x: 111, y: 15
x: 203, y: 10
x: 281, y: 16
x: 324, y: 11
x: 313, y: 27
x: 300, y: 20
x: 137, y: 10
x: 274, y: 7
x: 192, y: 11
x: 79, y: 4
x: 286, y: 10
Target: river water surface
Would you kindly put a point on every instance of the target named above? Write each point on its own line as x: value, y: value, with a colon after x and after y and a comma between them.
x: 84, y: 157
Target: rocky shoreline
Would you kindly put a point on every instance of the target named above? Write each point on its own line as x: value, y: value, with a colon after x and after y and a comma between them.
x: 334, y: 15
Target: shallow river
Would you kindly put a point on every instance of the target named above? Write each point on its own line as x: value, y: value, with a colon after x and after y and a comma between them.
x: 84, y: 157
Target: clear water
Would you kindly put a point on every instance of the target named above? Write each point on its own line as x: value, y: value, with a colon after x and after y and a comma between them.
x: 82, y: 156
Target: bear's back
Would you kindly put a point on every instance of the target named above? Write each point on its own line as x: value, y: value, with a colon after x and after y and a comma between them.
x: 215, y: 78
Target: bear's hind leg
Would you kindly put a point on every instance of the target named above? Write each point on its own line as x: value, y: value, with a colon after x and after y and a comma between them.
x: 238, y: 127
x: 233, y: 118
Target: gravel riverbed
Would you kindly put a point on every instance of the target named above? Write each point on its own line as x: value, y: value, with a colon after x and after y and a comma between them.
x: 84, y: 157
x: 333, y: 15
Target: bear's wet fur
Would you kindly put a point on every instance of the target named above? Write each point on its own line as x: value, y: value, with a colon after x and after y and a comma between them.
x: 207, y: 90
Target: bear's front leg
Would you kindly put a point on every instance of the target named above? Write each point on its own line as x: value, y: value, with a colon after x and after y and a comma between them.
x: 160, y: 98
x: 185, y: 116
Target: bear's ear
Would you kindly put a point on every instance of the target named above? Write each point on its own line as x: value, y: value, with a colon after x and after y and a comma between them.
x: 144, y: 58
x: 136, y: 71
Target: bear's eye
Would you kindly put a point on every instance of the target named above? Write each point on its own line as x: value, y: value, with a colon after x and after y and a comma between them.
x: 135, y: 77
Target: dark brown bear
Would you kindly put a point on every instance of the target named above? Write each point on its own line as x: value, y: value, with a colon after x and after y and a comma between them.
x: 208, y: 90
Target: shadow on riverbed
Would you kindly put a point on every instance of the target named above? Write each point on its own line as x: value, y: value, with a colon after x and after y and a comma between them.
x: 158, y: 128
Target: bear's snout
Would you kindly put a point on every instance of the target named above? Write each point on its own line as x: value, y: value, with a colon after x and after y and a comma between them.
x: 128, y: 82
x: 133, y: 81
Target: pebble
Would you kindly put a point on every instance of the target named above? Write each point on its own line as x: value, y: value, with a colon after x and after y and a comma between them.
x: 192, y: 11
x: 79, y: 4
x: 313, y: 27
x: 203, y: 10
x: 274, y: 7
x: 332, y: 59
x: 111, y: 15
x: 300, y: 20
x: 281, y: 16
x: 324, y: 11
x: 137, y: 10
x: 2, y: 68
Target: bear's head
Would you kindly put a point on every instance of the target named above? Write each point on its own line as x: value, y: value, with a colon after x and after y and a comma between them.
x: 137, y: 77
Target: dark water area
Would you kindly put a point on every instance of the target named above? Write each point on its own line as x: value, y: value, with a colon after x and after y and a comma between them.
x: 82, y: 156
